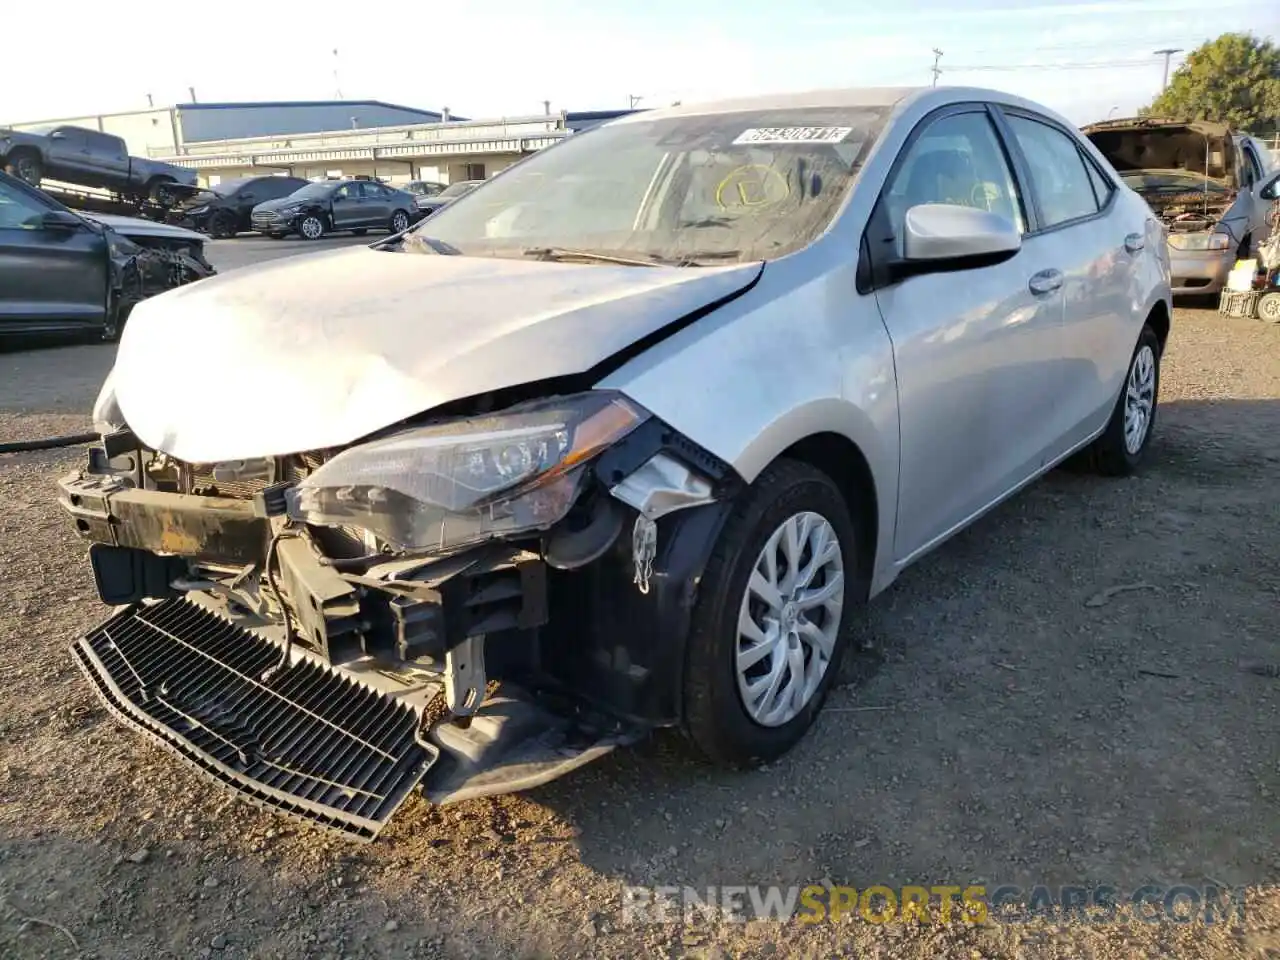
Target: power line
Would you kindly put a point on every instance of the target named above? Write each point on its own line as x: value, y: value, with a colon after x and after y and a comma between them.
x: 1092, y: 65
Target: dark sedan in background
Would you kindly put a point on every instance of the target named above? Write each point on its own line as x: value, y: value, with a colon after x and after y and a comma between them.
x: 224, y: 209
x: 65, y: 272
x: 336, y: 205
x: 429, y: 205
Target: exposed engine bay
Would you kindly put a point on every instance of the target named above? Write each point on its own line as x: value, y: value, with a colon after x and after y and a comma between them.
x: 493, y: 579
x: 143, y: 265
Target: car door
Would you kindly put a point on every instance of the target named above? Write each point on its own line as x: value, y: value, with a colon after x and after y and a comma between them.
x: 107, y: 159
x: 1095, y: 242
x: 976, y: 350
x: 1255, y: 179
x: 376, y: 204
x: 50, y: 278
x: 68, y: 155
x: 346, y: 206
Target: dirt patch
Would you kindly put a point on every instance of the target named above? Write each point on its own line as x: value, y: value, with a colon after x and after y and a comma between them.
x: 1056, y: 696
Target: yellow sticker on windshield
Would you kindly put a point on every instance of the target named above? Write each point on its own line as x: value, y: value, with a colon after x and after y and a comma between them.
x: 764, y: 135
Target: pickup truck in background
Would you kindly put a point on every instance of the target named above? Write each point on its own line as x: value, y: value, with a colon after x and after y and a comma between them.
x: 89, y: 158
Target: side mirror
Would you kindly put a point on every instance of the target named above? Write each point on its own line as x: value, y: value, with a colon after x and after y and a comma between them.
x: 1271, y: 189
x: 60, y: 220
x: 956, y: 236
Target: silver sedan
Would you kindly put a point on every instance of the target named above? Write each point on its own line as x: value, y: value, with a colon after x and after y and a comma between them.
x: 633, y: 429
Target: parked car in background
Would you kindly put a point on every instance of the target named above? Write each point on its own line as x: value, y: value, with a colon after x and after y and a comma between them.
x: 89, y: 158
x: 225, y: 209
x: 429, y: 205
x: 330, y: 206
x: 525, y: 447
x: 1204, y: 181
x: 64, y: 272
x: 423, y: 188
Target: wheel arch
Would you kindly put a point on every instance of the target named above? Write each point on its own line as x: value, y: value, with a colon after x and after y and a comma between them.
x: 844, y: 462
x: 1159, y: 319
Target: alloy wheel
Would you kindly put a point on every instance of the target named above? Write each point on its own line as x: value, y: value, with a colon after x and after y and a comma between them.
x: 789, y: 619
x: 1139, y: 398
x: 399, y: 222
x: 311, y: 228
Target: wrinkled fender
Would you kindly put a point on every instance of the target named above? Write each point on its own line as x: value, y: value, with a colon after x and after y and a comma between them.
x: 793, y: 357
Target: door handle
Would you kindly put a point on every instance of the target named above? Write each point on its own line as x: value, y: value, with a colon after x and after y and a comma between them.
x: 1134, y: 242
x: 1046, y: 281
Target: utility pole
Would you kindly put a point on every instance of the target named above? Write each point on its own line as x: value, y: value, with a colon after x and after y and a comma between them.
x: 632, y: 100
x: 936, y: 71
x: 1167, y: 54
x: 337, y: 86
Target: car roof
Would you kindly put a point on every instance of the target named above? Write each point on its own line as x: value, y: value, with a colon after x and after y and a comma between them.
x: 897, y: 98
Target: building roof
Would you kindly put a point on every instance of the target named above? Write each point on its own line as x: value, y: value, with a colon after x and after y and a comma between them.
x: 256, y: 104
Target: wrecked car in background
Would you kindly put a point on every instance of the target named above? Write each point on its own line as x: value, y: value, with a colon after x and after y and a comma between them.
x: 224, y: 209
x: 622, y: 440
x: 1204, y: 181
x: 68, y: 272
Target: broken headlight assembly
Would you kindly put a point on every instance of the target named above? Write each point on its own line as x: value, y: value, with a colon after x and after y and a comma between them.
x: 452, y: 484
x: 1199, y: 241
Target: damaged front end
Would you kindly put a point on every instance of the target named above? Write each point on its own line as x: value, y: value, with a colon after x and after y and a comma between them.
x: 1188, y: 172
x: 480, y: 603
x: 142, y: 267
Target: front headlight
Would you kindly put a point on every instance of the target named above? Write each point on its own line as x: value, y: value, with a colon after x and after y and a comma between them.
x: 465, y: 481
x: 1199, y: 241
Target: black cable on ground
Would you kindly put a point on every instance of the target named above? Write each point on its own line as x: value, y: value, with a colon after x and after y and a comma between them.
x: 48, y: 443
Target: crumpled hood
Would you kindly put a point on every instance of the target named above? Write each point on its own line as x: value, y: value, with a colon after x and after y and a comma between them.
x: 135, y: 227
x: 320, y: 350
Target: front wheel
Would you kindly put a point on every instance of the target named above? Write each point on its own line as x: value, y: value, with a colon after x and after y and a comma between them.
x: 311, y: 227
x: 773, y: 617
x: 224, y: 225
x: 1119, y: 450
x: 399, y: 222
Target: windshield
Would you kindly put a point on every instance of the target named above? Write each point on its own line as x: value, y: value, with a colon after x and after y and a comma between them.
x: 314, y: 191
x: 728, y: 187
x: 1171, y: 181
x: 458, y: 189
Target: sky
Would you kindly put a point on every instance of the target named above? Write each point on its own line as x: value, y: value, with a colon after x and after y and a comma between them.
x: 491, y: 58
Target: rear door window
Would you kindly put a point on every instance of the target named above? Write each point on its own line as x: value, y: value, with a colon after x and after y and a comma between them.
x: 1059, y: 176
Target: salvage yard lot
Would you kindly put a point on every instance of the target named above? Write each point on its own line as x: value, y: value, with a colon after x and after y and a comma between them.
x: 1014, y: 717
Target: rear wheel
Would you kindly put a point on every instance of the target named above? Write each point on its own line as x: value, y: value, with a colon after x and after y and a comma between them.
x: 399, y: 222
x: 158, y: 191
x: 773, y: 617
x: 1269, y: 307
x: 27, y: 166
x: 1119, y: 450
x: 311, y: 227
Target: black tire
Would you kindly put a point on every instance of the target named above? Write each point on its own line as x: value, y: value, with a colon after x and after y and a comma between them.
x: 26, y: 165
x: 399, y: 222
x: 223, y: 225
x: 158, y: 191
x: 1110, y: 454
x: 319, y: 229
x: 359, y: 231
x: 715, y: 717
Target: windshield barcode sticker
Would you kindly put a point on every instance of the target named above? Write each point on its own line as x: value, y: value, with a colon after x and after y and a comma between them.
x: 792, y: 135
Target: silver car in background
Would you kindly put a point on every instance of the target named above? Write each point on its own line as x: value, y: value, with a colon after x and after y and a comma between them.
x: 622, y: 439
x: 1211, y: 186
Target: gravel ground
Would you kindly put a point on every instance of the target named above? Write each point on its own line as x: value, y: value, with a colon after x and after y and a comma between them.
x: 1013, y: 718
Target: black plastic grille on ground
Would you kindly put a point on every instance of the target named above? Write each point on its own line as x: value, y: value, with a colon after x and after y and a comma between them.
x: 310, y: 742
